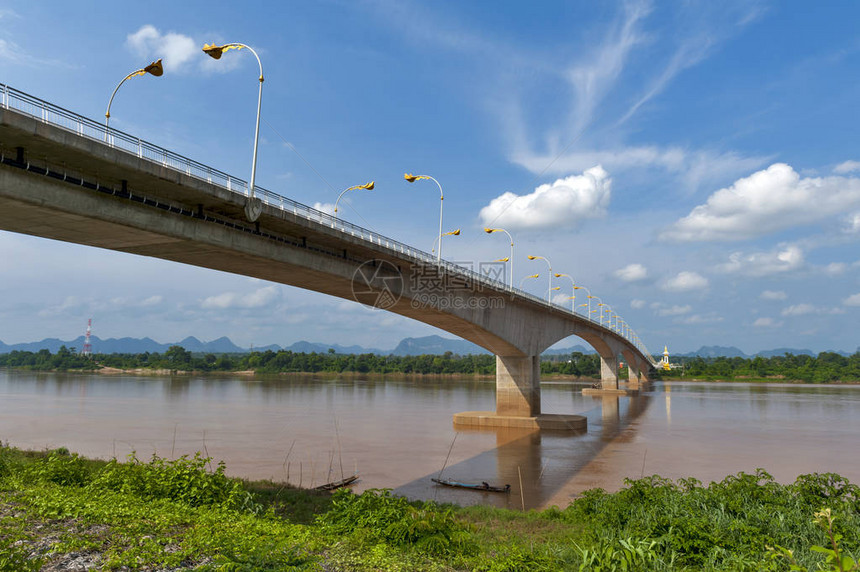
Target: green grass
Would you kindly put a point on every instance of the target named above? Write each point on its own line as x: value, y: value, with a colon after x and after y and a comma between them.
x: 159, y: 513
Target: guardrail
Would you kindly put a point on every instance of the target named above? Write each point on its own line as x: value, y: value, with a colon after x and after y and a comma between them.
x: 85, y: 127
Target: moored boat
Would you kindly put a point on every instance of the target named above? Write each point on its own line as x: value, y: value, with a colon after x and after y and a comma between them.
x: 483, y: 486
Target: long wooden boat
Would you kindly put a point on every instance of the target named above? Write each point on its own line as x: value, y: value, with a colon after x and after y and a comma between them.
x: 337, y: 484
x: 483, y: 487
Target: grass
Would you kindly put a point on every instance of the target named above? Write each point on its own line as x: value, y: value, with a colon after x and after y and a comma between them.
x: 178, y: 514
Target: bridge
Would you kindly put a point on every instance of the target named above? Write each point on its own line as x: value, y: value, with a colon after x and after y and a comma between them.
x: 69, y: 178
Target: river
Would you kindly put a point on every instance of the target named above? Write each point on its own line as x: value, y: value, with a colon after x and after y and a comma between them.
x: 398, y: 434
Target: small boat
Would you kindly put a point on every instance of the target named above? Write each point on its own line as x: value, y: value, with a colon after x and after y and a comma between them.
x: 337, y: 484
x: 484, y: 486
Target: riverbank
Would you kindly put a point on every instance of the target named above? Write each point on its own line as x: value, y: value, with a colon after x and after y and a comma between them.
x: 59, y: 511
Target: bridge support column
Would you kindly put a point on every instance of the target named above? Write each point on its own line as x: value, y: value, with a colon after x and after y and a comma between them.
x: 608, y: 372
x: 632, y: 376
x: 518, y: 386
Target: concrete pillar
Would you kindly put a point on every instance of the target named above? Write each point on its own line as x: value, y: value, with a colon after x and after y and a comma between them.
x: 643, y: 372
x: 632, y: 376
x: 608, y: 372
x: 518, y: 386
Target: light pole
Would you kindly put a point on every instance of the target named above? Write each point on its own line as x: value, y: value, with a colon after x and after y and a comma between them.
x: 253, y: 208
x: 368, y: 186
x: 575, y: 288
x: 590, y: 297
x: 549, y: 286
x: 573, y: 291
x: 526, y: 278
x: 449, y: 233
x: 155, y: 68
x: 411, y: 179
x: 491, y: 231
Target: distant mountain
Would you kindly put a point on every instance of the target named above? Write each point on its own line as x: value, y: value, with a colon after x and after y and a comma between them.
x: 436, y: 345
x: 433, y: 345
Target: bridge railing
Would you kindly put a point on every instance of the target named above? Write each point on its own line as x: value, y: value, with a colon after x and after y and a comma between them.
x: 85, y: 127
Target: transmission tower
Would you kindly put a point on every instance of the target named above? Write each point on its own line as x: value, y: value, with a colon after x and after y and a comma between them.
x: 88, y: 348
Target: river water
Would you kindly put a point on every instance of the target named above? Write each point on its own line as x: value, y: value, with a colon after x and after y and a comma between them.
x: 398, y: 434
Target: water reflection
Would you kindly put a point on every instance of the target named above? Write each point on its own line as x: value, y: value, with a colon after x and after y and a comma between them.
x: 398, y: 433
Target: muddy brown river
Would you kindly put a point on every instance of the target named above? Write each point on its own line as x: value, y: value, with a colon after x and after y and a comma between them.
x: 397, y: 434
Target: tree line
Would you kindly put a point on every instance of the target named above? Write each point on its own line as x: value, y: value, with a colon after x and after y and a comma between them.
x: 823, y: 368
x: 826, y: 367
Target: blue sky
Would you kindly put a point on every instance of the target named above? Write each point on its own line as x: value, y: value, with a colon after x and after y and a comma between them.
x: 696, y: 166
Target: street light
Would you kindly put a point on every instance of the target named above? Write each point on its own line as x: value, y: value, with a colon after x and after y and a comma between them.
x: 368, y: 186
x: 449, y: 233
x: 590, y: 297
x: 155, y: 68
x: 549, y: 287
x: 526, y: 278
x: 573, y: 284
x: 491, y: 231
x: 411, y: 179
x: 253, y: 208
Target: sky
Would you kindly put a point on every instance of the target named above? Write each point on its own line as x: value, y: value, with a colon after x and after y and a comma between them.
x: 694, y: 164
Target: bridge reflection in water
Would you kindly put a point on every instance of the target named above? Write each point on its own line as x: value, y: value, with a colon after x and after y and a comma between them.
x: 537, y: 464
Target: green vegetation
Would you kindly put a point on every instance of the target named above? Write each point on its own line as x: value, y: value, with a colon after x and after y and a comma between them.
x: 143, y: 515
x: 826, y: 367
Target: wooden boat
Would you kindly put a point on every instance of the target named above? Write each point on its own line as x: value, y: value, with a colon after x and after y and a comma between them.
x: 337, y: 484
x: 484, y: 487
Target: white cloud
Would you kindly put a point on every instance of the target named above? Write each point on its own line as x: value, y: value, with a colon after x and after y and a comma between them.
x: 632, y: 273
x: 257, y: 299
x: 327, y: 208
x: 564, y: 203
x: 152, y: 301
x: 835, y: 268
x: 846, y: 167
x: 773, y: 295
x: 175, y: 49
x: 637, y: 304
x: 853, y: 300
x: 674, y: 310
x: 798, y: 310
x: 785, y: 259
x: 685, y: 281
x: 853, y: 226
x: 804, y: 309
x: 696, y: 319
x: 765, y: 202
x: 766, y: 323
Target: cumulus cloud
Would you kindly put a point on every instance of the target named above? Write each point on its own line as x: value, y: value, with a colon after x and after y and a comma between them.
x: 563, y: 203
x: 674, y: 310
x: 773, y: 295
x: 765, y: 202
x: 632, y: 273
x: 696, y: 319
x: 175, y: 49
x: 804, y: 309
x: 637, y: 304
x: 853, y: 226
x: 327, y: 208
x: 852, y: 300
x: 835, y: 268
x: 766, y: 323
x: 685, y: 281
x: 257, y: 299
x: 846, y: 167
x: 785, y: 259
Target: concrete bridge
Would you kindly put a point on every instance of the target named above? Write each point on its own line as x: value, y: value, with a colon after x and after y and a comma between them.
x: 64, y: 177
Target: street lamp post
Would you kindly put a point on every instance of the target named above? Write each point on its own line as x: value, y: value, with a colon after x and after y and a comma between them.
x: 549, y: 264
x: 573, y: 291
x: 449, y: 233
x: 526, y: 278
x: 155, y: 69
x: 253, y: 208
x: 368, y: 186
x: 491, y: 231
x: 411, y: 179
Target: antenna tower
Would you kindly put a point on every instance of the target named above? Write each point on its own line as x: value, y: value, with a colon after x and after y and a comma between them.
x: 88, y: 348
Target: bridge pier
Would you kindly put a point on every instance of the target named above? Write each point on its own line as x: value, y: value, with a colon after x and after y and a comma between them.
x: 632, y: 375
x: 608, y: 372
x: 518, y: 400
x: 518, y: 386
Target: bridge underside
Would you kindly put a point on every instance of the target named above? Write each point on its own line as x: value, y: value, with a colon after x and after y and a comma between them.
x: 124, y: 203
